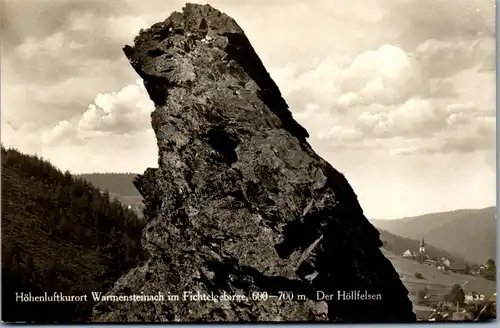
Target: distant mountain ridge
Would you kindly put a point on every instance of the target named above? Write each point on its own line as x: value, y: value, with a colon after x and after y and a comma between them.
x: 470, y: 233
x: 117, y: 183
x: 120, y: 186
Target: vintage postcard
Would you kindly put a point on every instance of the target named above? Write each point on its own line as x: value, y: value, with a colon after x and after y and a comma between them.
x: 248, y: 161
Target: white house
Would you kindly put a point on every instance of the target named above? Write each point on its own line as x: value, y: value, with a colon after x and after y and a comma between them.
x: 408, y: 254
x: 445, y: 262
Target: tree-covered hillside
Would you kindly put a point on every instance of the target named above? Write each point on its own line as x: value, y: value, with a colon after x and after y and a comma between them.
x: 59, y: 234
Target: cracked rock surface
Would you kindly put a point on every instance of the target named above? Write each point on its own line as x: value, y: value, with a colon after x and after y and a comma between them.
x: 240, y: 202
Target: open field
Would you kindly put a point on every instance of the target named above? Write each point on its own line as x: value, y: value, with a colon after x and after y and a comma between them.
x: 437, y: 282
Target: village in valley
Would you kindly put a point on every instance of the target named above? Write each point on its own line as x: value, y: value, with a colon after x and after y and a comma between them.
x: 443, y: 289
x: 445, y: 264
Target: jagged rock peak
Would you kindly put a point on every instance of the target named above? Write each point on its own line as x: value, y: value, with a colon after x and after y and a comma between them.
x: 182, y: 35
x: 240, y: 203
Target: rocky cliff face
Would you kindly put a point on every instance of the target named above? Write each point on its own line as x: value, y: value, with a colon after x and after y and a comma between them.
x: 240, y: 203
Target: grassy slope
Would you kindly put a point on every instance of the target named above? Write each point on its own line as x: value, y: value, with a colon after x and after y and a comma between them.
x: 437, y: 282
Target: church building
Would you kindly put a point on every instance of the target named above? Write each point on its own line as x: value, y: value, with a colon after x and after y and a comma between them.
x: 422, y: 246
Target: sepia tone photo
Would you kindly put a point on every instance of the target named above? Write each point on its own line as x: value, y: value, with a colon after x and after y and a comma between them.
x: 248, y: 161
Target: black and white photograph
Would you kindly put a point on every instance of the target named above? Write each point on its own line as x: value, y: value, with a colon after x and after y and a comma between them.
x: 235, y: 161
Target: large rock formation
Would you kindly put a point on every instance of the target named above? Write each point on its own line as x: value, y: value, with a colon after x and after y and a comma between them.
x: 240, y: 203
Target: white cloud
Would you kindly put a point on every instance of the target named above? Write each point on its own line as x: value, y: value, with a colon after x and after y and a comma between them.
x: 464, y: 107
x: 476, y: 87
x: 314, y: 86
x: 310, y: 110
x: 124, y: 112
x: 117, y: 29
x: 53, y: 45
x: 389, y: 93
x: 444, y: 58
x: 418, y: 126
x: 466, y: 133
x: 62, y: 131
x: 414, y: 117
x: 457, y: 118
x: 340, y: 135
x: 112, y: 135
x: 385, y: 76
x: 25, y: 137
x: 420, y: 20
x: 106, y: 153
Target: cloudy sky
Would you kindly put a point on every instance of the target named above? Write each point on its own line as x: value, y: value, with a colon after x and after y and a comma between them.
x: 399, y: 95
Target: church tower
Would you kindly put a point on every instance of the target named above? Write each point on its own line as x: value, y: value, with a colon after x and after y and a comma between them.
x: 422, y: 246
